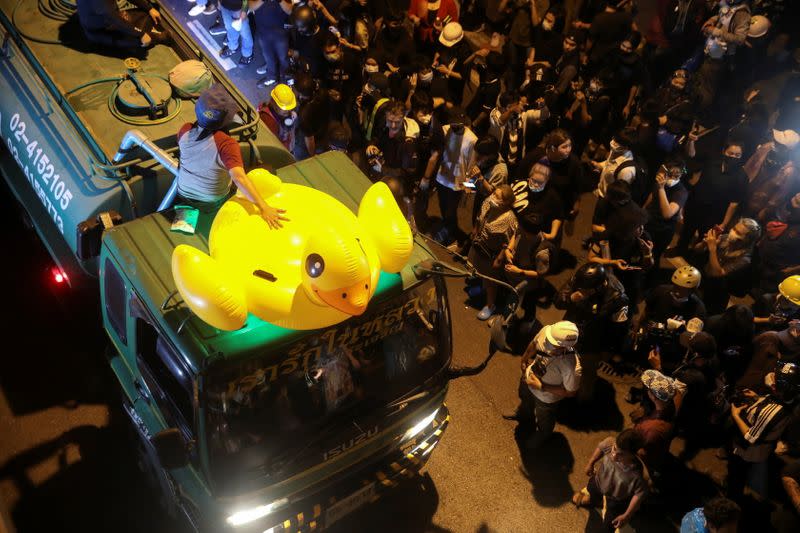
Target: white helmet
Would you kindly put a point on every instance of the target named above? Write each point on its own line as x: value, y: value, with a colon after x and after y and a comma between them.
x: 563, y: 334
x: 759, y: 26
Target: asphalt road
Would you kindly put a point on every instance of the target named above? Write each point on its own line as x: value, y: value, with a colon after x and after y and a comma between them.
x: 66, y: 461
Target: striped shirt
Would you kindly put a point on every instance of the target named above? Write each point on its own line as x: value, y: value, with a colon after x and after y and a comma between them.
x: 767, y: 420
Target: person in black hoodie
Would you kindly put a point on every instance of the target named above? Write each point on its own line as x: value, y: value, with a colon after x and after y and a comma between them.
x: 104, y: 24
x: 394, y: 46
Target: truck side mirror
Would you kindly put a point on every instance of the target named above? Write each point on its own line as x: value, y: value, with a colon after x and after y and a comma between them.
x: 170, y: 447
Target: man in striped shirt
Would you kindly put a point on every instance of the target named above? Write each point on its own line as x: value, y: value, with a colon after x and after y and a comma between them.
x: 761, y: 424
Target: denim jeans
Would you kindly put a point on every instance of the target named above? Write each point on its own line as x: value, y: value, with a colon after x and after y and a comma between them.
x: 274, y: 45
x: 228, y: 16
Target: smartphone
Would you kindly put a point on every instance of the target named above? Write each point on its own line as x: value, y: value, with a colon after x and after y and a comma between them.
x: 469, y: 184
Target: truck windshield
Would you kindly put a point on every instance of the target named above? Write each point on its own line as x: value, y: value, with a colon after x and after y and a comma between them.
x: 277, y: 414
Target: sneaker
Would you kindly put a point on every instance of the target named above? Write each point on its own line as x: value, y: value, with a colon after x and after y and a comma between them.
x: 227, y: 52
x: 261, y: 70
x: 218, y: 28
x: 266, y: 82
x: 246, y: 60
x: 210, y: 10
x: 196, y: 10
x: 486, y: 313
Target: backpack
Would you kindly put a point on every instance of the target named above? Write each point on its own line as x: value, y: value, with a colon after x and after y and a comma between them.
x: 641, y: 184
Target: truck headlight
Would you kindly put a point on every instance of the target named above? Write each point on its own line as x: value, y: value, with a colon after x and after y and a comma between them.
x: 245, y: 516
x: 421, y: 425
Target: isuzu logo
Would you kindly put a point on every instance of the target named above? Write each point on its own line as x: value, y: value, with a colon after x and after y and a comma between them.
x: 343, y: 447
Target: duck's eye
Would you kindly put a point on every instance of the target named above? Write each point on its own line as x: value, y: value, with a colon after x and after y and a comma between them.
x: 315, y: 265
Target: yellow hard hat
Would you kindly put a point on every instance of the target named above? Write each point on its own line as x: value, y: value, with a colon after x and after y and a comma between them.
x: 790, y: 289
x: 283, y: 96
x: 687, y: 276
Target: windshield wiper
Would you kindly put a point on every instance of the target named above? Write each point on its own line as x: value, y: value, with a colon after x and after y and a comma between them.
x: 402, y: 403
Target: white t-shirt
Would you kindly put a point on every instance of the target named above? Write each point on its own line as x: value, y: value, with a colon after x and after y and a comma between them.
x: 562, y: 370
x: 452, y: 173
x: 610, y: 166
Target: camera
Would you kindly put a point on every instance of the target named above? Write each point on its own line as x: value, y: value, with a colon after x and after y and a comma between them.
x: 737, y: 396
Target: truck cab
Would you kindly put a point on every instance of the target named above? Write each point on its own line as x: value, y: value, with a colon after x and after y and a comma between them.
x: 266, y: 428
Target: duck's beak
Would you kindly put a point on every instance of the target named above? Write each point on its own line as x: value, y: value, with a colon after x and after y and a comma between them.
x: 352, y: 300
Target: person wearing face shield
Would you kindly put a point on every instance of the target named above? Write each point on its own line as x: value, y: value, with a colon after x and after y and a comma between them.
x: 773, y: 173
x: 665, y: 203
x: 727, y: 268
x: 719, y: 188
x: 537, y: 205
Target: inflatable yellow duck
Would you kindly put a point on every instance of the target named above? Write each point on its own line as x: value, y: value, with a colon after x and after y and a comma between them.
x: 319, y: 269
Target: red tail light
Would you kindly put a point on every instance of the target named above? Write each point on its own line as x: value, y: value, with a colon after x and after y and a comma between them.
x: 59, y: 276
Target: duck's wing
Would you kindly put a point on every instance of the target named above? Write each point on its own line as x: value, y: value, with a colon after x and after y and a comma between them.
x: 380, y: 217
x: 210, y: 290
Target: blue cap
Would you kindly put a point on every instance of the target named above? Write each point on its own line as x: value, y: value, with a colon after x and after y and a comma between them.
x: 214, y: 108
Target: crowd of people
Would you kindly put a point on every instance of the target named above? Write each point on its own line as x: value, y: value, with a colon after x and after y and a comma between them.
x: 685, y: 130
x: 684, y: 126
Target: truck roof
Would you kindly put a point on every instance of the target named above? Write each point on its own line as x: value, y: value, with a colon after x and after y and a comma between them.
x: 77, y: 62
x: 143, y: 247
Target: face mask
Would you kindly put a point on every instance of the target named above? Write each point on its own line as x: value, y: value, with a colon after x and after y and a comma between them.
x: 333, y: 58
x: 369, y: 69
x: 547, y: 26
x: 289, y: 121
x: 673, y: 182
x: 536, y: 187
x: 424, y: 119
x: 732, y: 162
x: 427, y: 77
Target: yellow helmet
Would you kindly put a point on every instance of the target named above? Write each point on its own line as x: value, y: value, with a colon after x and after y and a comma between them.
x: 790, y: 289
x: 687, y: 276
x: 283, y: 96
